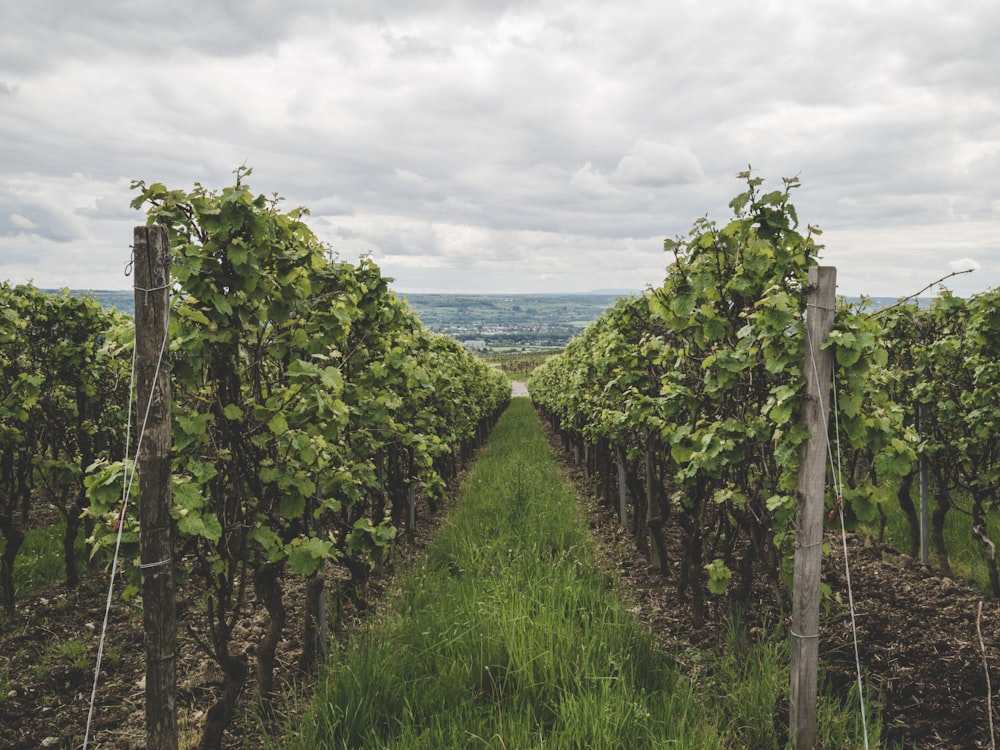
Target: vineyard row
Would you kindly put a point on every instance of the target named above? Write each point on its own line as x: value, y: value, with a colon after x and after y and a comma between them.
x: 310, y: 407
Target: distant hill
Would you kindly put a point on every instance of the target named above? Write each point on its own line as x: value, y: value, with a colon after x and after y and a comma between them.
x: 489, y: 321
x: 497, y: 320
x: 122, y: 300
x: 510, y: 321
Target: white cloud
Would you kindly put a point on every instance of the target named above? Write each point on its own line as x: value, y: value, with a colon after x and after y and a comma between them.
x: 510, y: 145
x: 331, y: 205
x: 965, y: 264
x: 590, y: 183
x: 407, y: 46
x: 656, y: 164
x: 896, y: 261
x: 411, y: 179
x: 21, y: 222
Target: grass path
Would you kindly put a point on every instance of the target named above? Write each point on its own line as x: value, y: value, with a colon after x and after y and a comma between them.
x: 509, y: 636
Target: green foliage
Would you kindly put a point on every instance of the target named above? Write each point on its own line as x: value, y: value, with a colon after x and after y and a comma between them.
x: 707, y: 372
x: 62, y: 396
x: 944, y: 375
x: 308, y: 401
x: 519, y: 365
x: 40, y: 562
x: 718, y: 576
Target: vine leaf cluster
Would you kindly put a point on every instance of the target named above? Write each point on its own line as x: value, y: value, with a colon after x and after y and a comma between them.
x: 309, y: 404
x: 696, y: 387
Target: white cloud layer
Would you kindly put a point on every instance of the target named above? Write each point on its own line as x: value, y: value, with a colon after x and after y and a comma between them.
x: 509, y: 146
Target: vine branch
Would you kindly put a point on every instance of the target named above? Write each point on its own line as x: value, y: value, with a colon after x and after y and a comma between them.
x: 904, y: 300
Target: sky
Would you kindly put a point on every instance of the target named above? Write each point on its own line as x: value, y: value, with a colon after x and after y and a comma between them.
x: 502, y: 146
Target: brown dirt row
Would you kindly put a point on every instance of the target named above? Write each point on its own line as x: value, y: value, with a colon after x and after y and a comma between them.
x: 918, y: 643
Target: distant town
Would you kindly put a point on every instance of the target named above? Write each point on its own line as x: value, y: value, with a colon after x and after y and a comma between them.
x: 491, y: 323
x: 512, y: 322
x: 483, y: 322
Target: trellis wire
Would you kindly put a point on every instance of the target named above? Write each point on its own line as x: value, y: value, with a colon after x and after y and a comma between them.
x: 130, y: 474
x: 838, y: 478
x: 837, y: 471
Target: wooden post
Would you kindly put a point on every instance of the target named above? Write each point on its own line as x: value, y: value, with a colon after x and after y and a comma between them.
x: 622, y: 490
x: 809, y: 516
x: 151, y: 255
x: 652, y: 505
x: 411, y: 500
x: 925, y: 513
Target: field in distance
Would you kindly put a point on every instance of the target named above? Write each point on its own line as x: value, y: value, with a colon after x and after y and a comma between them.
x: 488, y: 322
x: 510, y: 322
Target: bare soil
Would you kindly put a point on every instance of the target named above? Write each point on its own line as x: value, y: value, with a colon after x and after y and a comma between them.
x: 46, y: 685
x: 919, y: 648
x: 918, y: 634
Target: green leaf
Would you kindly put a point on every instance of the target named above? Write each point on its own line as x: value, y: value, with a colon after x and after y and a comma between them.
x: 278, y: 424
x: 775, y: 502
x: 306, y: 556
x: 194, y: 524
x: 267, y: 539
x: 194, y: 425
x: 238, y: 255
x: 681, y: 453
x: 781, y: 412
x: 718, y: 577
x: 848, y: 357
x: 292, y: 506
x: 683, y: 304
x: 864, y: 509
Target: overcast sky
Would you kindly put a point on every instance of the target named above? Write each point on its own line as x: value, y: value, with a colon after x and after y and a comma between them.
x: 514, y: 146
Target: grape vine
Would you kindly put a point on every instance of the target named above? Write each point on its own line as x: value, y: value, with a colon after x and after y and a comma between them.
x: 63, y: 390
x: 309, y: 406
x: 694, y: 389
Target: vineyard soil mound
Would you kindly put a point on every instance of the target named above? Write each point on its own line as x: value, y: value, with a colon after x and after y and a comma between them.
x: 47, y: 654
x: 917, y: 633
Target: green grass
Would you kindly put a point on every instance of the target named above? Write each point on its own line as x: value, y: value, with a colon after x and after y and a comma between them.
x: 39, y: 563
x: 75, y: 653
x: 510, y: 636
x: 965, y: 553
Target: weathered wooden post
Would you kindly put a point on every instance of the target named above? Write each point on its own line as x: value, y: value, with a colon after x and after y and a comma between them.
x: 809, y: 513
x: 411, y: 502
x: 925, y: 512
x: 151, y: 255
x: 653, y: 520
x: 622, y: 488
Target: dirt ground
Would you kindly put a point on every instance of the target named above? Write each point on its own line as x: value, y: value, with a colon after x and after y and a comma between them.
x: 918, y: 645
x: 47, y: 692
x: 918, y: 635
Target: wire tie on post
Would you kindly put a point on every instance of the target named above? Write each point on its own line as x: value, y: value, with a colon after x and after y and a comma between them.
x: 797, y: 635
x: 146, y: 566
x: 154, y: 289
